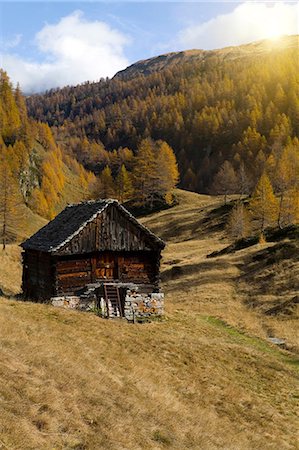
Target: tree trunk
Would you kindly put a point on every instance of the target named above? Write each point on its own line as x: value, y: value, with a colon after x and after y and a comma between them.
x: 279, y: 213
x: 4, y: 236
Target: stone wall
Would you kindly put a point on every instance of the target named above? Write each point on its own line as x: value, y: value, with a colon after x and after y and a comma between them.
x: 140, y: 307
x: 73, y: 302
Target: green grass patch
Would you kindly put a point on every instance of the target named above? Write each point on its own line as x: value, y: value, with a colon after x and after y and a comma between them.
x: 242, y: 338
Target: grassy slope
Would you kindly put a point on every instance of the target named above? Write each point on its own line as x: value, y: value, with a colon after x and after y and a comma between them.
x: 71, y: 380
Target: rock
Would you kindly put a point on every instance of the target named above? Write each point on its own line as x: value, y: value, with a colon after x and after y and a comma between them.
x: 276, y: 341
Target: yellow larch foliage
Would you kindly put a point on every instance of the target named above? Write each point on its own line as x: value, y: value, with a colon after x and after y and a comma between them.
x: 39, y: 202
x: 10, y: 200
x: 124, y: 184
x: 105, y: 186
x: 263, y: 205
x: 167, y: 169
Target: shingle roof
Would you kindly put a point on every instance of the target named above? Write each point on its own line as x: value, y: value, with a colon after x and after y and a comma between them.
x: 71, y: 221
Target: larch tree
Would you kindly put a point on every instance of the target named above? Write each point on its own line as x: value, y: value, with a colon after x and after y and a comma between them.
x: 243, y: 181
x: 155, y: 172
x: 10, y: 122
x: 10, y: 201
x: 289, y: 214
x: 263, y: 204
x: 238, y: 224
x: 39, y: 202
x: 144, y: 172
x: 124, y: 185
x: 167, y: 170
x: 286, y: 182
x: 225, y: 181
x: 189, y: 179
x: 105, y: 185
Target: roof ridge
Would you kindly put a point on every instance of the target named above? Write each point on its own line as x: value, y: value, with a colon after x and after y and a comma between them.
x: 71, y: 236
x: 73, y: 219
x: 92, y: 202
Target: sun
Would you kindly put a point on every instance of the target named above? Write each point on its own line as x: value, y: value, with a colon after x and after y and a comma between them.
x: 276, y: 23
x: 273, y: 31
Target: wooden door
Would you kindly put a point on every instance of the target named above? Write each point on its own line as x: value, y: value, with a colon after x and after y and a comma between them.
x: 106, y: 266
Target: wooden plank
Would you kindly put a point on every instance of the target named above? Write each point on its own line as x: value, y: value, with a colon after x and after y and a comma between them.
x: 73, y: 264
x: 110, y: 231
x: 63, y: 276
x: 93, y: 269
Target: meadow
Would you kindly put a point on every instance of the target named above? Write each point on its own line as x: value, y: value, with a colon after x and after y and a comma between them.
x: 206, y: 377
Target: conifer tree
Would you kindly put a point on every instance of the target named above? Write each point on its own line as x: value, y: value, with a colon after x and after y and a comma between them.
x: 105, y: 185
x: 10, y: 201
x: 39, y: 203
x: 124, y: 185
x: 239, y: 222
x: 286, y: 181
x: 189, y: 179
x: 167, y: 170
x: 243, y: 181
x: 289, y: 214
x: 10, y: 120
x: 144, y: 172
x: 263, y: 205
x: 225, y: 181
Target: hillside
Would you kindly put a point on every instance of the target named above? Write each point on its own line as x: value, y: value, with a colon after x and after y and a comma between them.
x: 238, y: 104
x: 169, y: 60
x: 206, y: 378
x: 35, y: 176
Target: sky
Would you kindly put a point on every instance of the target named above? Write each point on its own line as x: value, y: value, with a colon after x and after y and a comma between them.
x: 44, y: 45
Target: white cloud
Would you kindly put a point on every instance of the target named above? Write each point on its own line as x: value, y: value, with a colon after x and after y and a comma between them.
x: 12, y: 42
x: 74, y: 50
x: 248, y: 22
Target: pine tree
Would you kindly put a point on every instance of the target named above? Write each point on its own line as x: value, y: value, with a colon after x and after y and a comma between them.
x: 263, y: 205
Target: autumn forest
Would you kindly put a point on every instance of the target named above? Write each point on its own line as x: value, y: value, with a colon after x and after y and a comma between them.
x: 218, y: 125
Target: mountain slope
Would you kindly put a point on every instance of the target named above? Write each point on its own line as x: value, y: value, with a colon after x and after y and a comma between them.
x: 168, y: 60
x: 205, y: 378
x: 32, y: 168
x: 238, y: 104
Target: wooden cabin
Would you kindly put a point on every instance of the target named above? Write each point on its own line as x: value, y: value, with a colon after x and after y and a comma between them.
x: 87, y: 244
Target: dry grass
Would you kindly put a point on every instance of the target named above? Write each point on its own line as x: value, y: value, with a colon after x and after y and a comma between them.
x: 70, y: 380
x: 10, y: 258
x: 10, y: 270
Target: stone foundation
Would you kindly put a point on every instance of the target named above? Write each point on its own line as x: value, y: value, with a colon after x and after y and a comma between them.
x: 138, y: 306
x: 73, y: 302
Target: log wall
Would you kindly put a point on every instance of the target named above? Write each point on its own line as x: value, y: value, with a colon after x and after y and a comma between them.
x: 74, y: 273
x: 109, y: 247
x: 38, y: 275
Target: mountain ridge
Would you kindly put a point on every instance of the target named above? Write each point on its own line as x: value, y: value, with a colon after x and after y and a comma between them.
x: 160, y: 62
x: 209, y: 109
